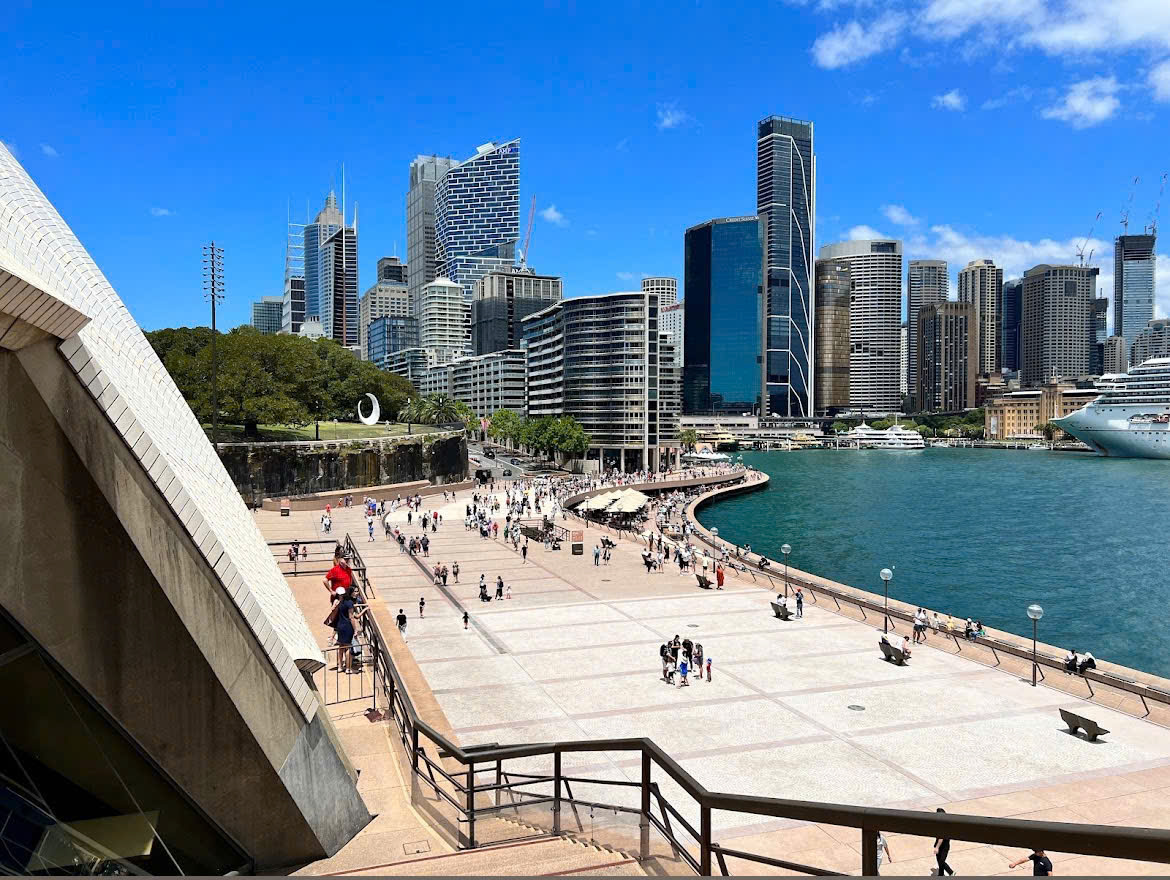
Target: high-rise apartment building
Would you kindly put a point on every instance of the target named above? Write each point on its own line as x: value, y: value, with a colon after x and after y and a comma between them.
x: 1098, y: 334
x: 875, y: 320
x: 904, y: 360
x: 490, y: 382
x: 338, y: 255
x: 502, y: 299
x: 663, y: 287
x: 477, y: 215
x: 721, y: 312
x: 421, y: 247
x: 266, y: 314
x: 1116, y: 357
x: 1134, y: 279
x: 388, y: 335
x: 596, y: 358
x: 981, y: 285
x: 786, y: 205
x: 1153, y: 341
x: 831, y: 336
x: 389, y: 298
x: 1056, y: 309
x: 1011, y: 314
x: 672, y: 323
x: 393, y: 270
x: 327, y: 222
x: 927, y: 284
x: 444, y: 323
x: 292, y: 310
x: 948, y: 356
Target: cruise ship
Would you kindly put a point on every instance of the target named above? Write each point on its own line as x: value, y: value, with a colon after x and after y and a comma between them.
x: 894, y: 437
x: 1131, y: 418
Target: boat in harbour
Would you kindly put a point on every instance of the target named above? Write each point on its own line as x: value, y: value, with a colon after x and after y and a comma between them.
x: 1131, y: 417
x: 894, y: 437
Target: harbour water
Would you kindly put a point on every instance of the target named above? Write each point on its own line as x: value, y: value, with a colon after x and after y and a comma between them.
x: 979, y: 533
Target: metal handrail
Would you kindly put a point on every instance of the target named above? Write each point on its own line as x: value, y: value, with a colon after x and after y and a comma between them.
x: 1146, y: 844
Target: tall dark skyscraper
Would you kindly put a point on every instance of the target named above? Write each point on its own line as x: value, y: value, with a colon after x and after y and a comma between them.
x: 327, y: 222
x: 1134, y: 281
x: 786, y: 205
x: 721, y: 368
x: 1012, y: 311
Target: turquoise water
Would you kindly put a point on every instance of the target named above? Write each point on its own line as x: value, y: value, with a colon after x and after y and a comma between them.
x: 980, y: 533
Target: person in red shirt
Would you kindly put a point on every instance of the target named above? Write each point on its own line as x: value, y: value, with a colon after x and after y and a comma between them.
x: 719, y: 577
x: 340, y: 576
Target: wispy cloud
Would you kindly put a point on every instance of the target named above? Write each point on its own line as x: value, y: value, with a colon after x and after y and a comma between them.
x: 1087, y: 103
x: 162, y: 212
x: 863, y: 232
x: 552, y: 215
x: 898, y: 214
x: 1159, y: 80
x: 49, y: 151
x: 952, y: 100
x: 670, y: 115
x: 591, y: 233
x: 853, y: 41
x: 1023, y: 93
x: 627, y: 276
x: 623, y: 145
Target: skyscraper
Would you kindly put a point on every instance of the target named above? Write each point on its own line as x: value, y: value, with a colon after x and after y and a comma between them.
x: 948, y: 353
x: 672, y: 325
x: 1152, y: 341
x: 1134, y: 264
x: 502, y: 300
x: 664, y: 287
x: 786, y: 205
x: 477, y: 215
x: 338, y: 256
x: 831, y: 333
x: 875, y: 319
x: 1057, y: 304
x: 1098, y: 333
x: 421, y: 248
x: 721, y: 344
x: 266, y: 313
x: 1011, y: 312
x: 292, y: 311
x: 444, y: 324
x: 327, y: 222
x: 927, y: 284
x: 981, y: 285
x: 384, y: 298
x: 392, y: 269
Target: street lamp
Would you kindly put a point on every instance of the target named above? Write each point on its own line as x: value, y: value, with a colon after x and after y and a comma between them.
x: 885, y: 575
x: 786, y: 549
x: 1035, y: 612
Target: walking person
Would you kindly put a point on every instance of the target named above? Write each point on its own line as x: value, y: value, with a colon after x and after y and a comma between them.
x: 524, y: 553
x: 422, y: 604
x: 508, y: 592
x: 401, y: 621
x: 799, y: 602
x: 499, y: 587
x: 719, y: 575
x: 942, y: 848
x: 455, y: 570
x: 682, y: 672
x: 883, y: 846
x: 596, y: 554
x: 465, y: 619
x: 708, y: 670
x: 1041, y: 864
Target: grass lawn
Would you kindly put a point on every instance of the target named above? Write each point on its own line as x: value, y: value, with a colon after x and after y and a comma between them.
x: 329, y: 431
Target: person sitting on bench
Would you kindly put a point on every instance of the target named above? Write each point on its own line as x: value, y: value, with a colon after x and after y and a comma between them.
x: 1070, y: 663
x: 1087, y: 662
x: 898, y: 643
x: 783, y: 600
x: 764, y: 563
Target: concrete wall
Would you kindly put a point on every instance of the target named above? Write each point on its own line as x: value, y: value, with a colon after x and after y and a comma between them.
x: 265, y: 470
x: 101, y: 574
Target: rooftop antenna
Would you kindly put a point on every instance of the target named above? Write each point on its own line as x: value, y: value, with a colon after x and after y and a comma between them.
x: 1081, y: 249
x: 1125, y: 209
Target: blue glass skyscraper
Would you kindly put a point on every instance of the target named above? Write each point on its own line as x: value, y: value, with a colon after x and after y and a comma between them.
x: 721, y: 364
x: 477, y: 214
x: 786, y: 205
x: 327, y: 222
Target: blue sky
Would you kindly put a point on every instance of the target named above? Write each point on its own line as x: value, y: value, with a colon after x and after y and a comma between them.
x: 969, y: 128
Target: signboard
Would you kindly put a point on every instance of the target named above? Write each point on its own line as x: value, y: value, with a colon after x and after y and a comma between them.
x: 577, y: 535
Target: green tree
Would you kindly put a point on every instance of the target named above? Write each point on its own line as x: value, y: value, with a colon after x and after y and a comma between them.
x: 505, y: 426
x: 840, y: 427
x: 1049, y: 430
x: 440, y: 409
x: 925, y: 430
x: 688, y: 437
x: 881, y: 424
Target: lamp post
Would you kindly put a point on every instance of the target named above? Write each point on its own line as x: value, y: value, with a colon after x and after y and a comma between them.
x: 885, y: 575
x: 786, y: 549
x: 1035, y: 612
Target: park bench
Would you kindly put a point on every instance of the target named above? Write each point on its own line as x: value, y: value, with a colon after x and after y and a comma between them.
x: 1078, y: 722
x: 894, y: 655
x: 704, y: 581
x: 781, y: 611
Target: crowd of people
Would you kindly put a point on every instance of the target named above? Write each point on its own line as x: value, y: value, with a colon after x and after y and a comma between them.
x: 683, y: 658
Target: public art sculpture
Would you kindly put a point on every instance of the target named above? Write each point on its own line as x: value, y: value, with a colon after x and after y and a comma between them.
x: 375, y: 411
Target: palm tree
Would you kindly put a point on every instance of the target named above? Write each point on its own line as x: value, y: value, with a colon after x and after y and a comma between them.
x: 440, y: 409
x: 411, y: 412
x: 688, y: 437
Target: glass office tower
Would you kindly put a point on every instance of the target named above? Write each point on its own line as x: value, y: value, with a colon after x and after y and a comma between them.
x: 721, y: 363
x: 786, y: 205
x: 1134, y: 282
x: 327, y: 222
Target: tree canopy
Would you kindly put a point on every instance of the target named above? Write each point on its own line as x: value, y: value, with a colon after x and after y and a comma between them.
x: 547, y: 434
x: 273, y: 379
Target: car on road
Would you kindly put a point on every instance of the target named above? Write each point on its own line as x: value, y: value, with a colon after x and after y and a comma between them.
x: 487, y: 453
x: 507, y: 472
x: 516, y: 462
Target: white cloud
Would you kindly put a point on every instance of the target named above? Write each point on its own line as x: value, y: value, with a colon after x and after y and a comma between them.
x: 552, y: 215
x: 591, y: 233
x: 670, y: 115
x: 1159, y: 80
x: 861, y: 233
x: 1023, y: 93
x: 623, y: 145
x: 49, y: 151
x: 852, y: 42
x: 627, y: 276
x: 1087, y: 103
x: 162, y: 212
x: 898, y: 214
x: 952, y: 100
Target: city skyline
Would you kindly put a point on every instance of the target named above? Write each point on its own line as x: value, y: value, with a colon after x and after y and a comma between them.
x: 134, y: 161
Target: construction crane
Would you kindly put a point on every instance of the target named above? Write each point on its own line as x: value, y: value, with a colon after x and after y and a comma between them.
x: 1127, y: 206
x: 528, y: 236
x: 1153, y: 229
x: 1081, y: 249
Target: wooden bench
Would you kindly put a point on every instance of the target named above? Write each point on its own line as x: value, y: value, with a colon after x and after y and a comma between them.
x: 894, y: 655
x: 781, y: 611
x: 1078, y: 722
x: 704, y: 581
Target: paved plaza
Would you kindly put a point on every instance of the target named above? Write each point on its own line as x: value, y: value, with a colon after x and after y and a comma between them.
x: 804, y: 709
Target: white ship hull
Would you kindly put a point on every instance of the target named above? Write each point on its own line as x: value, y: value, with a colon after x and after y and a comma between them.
x: 1107, y: 430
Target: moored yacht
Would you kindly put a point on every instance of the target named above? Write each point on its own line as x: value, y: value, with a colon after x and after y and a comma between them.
x: 893, y: 437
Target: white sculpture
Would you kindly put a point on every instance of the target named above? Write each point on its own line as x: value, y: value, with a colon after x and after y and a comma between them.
x: 375, y: 412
